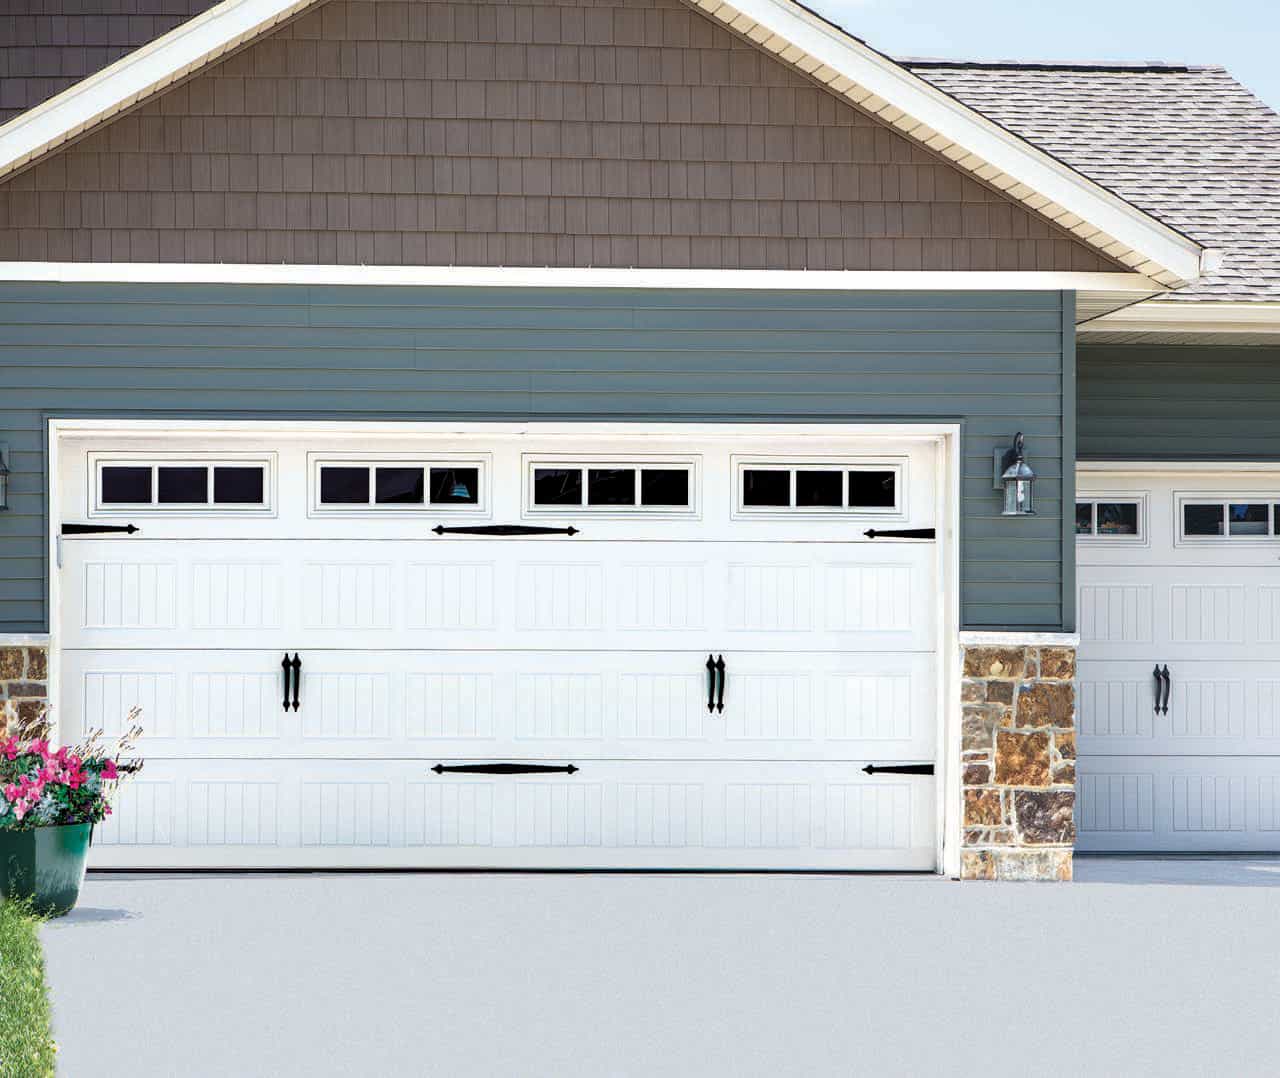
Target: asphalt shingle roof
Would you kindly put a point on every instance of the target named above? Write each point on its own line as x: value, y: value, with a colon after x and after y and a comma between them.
x: 1187, y: 144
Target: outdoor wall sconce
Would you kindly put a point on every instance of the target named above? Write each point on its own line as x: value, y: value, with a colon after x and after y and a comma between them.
x: 4, y: 477
x: 1014, y: 474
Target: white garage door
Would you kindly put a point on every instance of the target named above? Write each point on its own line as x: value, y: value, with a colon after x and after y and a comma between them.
x: 489, y: 650
x: 1179, y: 706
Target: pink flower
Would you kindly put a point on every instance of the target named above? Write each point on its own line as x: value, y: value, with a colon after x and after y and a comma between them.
x: 11, y: 792
x: 9, y: 748
x: 39, y: 747
x: 109, y: 770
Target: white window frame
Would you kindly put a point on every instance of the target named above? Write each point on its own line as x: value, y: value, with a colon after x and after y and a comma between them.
x: 482, y: 462
x: 531, y: 462
x: 1095, y: 538
x: 1182, y: 498
x: 154, y: 461
x: 843, y: 465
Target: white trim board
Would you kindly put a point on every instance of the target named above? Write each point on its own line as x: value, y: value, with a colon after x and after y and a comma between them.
x: 824, y: 52
x: 1095, y: 292
x: 981, y: 639
x: 1184, y: 321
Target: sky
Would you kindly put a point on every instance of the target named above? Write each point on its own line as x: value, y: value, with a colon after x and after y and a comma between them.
x: 1241, y: 35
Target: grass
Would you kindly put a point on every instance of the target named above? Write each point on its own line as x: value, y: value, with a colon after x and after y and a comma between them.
x: 27, y: 1049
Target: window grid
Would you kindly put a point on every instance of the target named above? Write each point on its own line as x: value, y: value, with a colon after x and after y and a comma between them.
x: 390, y: 486
x: 226, y: 485
x: 846, y: 472
x: 583, y: 477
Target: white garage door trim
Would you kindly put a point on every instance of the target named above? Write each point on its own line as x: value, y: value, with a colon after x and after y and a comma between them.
x: 197, y: 436
x: 1203, y: 776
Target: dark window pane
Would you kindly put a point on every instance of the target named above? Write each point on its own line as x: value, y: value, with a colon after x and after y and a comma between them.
x: 664, y: 486
x: 398, y: 486
x: 183, y: 485
x: 1202, y: 519
x: 1248, y: 519
x: 766, y: 488
x: 1084, y: 518
x: 611, y: 486
x: 243, y: 486
x: 126, y: 485
x: 557, y: 486
x: 344, y: 486
x: 458, y: 486
x: 819, y: 488
x: 1118, y: 518
x: 873, y: 490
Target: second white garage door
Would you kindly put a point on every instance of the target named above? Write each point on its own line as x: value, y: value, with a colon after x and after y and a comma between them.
x: 509, y: 651
x: 1179, y: 696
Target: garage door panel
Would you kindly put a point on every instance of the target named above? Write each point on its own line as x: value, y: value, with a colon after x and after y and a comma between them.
x: 1215, y: 708
x: 1186, y: 803
x: 1208, y: 612
x: 524, y: 704
x: 609, y: 814
x: 123, y: 593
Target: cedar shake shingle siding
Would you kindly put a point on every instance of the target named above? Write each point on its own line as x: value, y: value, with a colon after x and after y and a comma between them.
x: 604, y: 133
x: 48, y: 45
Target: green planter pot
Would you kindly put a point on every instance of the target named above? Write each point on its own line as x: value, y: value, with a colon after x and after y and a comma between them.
x: 44, y: 866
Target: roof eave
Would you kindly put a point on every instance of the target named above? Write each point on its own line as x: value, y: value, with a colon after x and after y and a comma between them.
x: 137, y: 76
x: 879, y: 85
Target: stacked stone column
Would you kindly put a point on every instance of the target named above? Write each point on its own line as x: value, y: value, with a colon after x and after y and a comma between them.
x: 24, y: 688
x: 1018, y: 759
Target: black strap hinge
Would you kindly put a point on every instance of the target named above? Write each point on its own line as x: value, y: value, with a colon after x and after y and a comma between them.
x: 898, y: 769
x: 99, y: 529
x: 505, y: 769
x: 902, y: 533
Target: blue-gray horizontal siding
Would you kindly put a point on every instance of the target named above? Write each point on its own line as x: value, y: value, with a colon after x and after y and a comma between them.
x: 1156, y: 402
x: 992, y: 360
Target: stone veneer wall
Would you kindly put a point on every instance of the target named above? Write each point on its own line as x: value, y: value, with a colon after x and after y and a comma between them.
x: 24, y: 687
x: 1018, y: 754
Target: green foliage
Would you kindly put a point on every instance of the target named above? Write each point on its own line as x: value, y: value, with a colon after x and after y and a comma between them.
x: 27, y: 1049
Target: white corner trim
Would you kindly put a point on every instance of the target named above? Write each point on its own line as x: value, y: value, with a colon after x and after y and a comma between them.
x: 976, y: 639
x: 138, y: 75
x: 877, y: 84
x: 1190, y: 317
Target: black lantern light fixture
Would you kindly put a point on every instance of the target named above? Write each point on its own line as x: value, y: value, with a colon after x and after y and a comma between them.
x: 1017, y: 479
x: 4, y: 478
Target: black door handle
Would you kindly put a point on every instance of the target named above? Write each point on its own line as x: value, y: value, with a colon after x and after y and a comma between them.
x: 720, y: 669
x: 286, y: 666
x: 297, y: 679
x: 1159, y: 687
x: 711, y: 683
x: 1168, y: 689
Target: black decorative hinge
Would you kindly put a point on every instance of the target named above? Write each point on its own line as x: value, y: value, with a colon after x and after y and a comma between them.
x: 902, y: 533
x: 98, y: 529
x: 505, y: 769
x: 504, y: 529
x: 899, y: 769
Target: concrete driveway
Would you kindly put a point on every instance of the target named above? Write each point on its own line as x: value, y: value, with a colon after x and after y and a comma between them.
x: 1142, y: 967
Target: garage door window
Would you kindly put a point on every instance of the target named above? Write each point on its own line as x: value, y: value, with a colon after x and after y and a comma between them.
x: 654, y: 487
x: 379, y: 486
x: 1110, y: 520
x: 1207, y: 519
x: 835, y: 488
x: 179, y: 486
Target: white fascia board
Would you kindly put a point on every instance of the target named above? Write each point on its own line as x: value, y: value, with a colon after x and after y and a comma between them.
x: 138, y: 75
x: 1189, y: 317
x: 1119, y: 284
x: 919, y: 108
